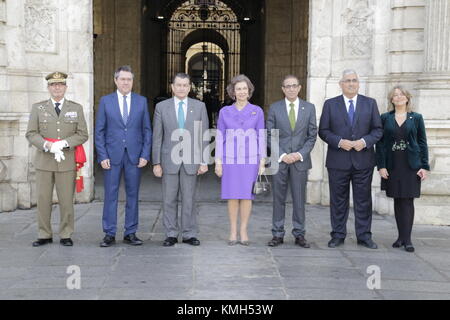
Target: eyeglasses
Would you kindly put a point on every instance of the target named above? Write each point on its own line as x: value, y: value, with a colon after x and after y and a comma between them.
x: 291, y: 86
x: 348, y: 81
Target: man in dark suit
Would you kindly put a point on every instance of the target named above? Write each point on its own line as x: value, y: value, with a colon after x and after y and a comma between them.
x: 350, y: 124
x: 123, y: 141
x: 295, y: 120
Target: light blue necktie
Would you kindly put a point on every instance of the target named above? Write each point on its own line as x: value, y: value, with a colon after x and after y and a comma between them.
x: 351, y: 112
x: 125, y: 110
x: 180, y: 115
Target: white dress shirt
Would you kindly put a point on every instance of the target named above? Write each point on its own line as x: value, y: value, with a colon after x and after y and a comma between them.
x: 128, y: 98
x: 347, y: 102
x: 288, y: 109
x: 61, y: 102
x: 347, y: 106
x: 185, y: 106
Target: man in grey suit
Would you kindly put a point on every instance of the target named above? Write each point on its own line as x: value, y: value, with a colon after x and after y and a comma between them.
x: 177, y: 154
x: 295, y: 121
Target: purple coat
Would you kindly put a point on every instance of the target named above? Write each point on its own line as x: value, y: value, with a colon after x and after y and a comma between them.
x: 240, y: 135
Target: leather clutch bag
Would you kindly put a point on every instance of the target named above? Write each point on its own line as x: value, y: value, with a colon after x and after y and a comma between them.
x: 260, y: 186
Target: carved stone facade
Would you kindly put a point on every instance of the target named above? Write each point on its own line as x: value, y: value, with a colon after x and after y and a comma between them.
x: 36, y: 38
x: 388, y: 42
x: 41, y: 25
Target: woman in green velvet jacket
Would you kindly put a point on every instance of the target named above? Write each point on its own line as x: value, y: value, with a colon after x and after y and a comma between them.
x: 402, y: 160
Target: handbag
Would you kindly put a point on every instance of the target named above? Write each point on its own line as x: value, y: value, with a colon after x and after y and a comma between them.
x: 261, y: 187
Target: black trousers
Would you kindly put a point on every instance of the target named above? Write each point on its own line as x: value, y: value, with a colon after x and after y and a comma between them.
x: 339, y: 182
x: 404, y: 216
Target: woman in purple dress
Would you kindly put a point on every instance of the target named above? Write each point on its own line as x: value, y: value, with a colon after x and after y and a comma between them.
x: 240, y: 154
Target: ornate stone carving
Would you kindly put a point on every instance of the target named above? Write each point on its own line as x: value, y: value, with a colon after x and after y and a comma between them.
x: 40, y: 25
x: 358, y: 19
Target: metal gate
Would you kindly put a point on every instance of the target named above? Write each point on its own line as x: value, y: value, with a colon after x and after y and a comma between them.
x: 204, y: 41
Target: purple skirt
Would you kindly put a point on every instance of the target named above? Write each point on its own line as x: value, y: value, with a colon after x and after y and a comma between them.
x: 237, y: 181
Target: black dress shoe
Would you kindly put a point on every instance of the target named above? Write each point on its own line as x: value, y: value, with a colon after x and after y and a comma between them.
x: 409, y: 247
x: 170, y: 241
x: 192, y: 241
x: 108, y: 241
x: 397, y: 244
x: 276, y: 241
x: 335, y: 242
x: 41, y: 242
x: 132, y: 239
x: 67, y: 242
x: 368, y: 243
x: 301, y: 241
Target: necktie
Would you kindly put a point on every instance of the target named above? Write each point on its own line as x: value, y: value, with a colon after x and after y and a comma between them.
x: 180, y: 115
x: 292, y: 116
x: 57, y: 104
x: 351, y: 112
x: 125, y: 110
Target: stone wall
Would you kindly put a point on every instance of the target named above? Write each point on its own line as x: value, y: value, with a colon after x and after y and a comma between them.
x: 36, y: 38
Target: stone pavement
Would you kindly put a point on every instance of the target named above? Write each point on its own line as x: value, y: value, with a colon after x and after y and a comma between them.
x: 214, y: 270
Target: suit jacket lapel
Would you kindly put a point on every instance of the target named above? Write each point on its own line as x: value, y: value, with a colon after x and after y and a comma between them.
x: 284, y: 115
x: 64, y: 109
x: 409, y: 123
x: 343, y: 110
x: 50, y: 108
x: 300, y: 116
x: 116, y: 108
x: 390, y: 121
x: 132, y: 110
x: 190, y: 111
x: 359, y: 105
x: 171, y: 112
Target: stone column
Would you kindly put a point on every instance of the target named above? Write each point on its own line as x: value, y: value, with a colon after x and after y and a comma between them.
x: 438, y: 37
x: 433, y: 99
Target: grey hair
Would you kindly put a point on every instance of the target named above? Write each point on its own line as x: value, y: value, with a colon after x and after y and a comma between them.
x: 347, y: 72
x: 123, y: 68
x: 235, y: 80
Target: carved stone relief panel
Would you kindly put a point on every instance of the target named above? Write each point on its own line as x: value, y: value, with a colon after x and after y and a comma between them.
x: 41, y: 25
x: 358, y: 30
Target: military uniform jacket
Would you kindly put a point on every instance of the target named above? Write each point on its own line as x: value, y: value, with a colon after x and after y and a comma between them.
x: 45, y: 123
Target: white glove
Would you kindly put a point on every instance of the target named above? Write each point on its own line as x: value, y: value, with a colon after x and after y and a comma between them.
x: 58, y: 146
x: 59, y: 156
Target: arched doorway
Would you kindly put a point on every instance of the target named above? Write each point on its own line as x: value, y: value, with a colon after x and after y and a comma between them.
x: 204, y: 40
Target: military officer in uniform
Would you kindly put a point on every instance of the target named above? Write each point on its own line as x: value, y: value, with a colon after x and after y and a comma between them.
x: 55, y: 128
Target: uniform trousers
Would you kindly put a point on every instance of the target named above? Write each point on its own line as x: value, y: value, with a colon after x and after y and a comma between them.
x: 65, y: 188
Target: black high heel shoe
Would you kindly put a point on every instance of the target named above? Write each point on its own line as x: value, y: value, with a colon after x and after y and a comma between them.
x: 397, y: 244
x: 409, y: 247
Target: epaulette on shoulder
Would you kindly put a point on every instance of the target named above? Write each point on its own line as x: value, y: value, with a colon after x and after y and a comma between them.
x: 73, y: 102
x: 42, y: 103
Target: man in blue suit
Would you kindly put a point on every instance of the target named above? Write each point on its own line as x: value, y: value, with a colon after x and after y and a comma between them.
x: 123, y: 140
x: 350, y: 124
